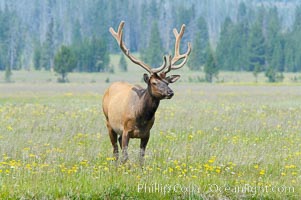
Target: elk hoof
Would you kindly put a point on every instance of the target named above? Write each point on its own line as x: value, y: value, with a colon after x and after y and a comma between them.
x: 124, y: 159
x: 116, y: 156
x: 141, y: 161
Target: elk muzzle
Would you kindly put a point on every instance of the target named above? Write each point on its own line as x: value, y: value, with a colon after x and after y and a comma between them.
x: 169, y: 94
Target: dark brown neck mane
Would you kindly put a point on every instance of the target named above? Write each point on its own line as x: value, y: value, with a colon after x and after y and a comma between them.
x: 148, y: 105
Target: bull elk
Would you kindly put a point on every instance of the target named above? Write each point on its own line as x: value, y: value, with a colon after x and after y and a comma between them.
x: 130, y: 109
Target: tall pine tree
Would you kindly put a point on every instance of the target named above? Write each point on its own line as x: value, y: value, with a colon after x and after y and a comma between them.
x: 295, y: 37
x: 225, y: 46
x: 240, y: 38
x: 48, y: 47
x: 153, y: 54
x: 272, y: 36
x: 123, y: 64
x: 211, y: 69
x: 200, y: 42
x: 256, y: 48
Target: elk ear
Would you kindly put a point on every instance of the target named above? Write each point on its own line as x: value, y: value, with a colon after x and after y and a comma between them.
x: 146, y: 78
x: 172, y: 78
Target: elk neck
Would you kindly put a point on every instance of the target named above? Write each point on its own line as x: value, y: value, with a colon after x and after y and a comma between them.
x: 148, y: 105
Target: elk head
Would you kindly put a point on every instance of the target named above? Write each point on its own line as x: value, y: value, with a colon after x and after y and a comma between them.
x: 157, y: 80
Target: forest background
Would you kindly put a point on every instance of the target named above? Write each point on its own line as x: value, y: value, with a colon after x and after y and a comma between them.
x: 230, y: 35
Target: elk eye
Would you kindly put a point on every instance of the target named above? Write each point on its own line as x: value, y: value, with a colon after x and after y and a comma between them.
x: 154, y: 83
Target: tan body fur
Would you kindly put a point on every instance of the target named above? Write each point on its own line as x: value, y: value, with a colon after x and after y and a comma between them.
x: 130, y: 113
x: 121, y: 105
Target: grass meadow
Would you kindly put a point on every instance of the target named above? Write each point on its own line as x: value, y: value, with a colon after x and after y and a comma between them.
x: 232, y: 140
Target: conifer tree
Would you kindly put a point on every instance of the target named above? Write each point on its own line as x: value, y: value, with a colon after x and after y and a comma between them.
x: 64, y: 62
x: 296, y: 34
x: 195, y: 62
x: 37, y: 57
x: 272, y: 37
x: 200, y: 43
x: 224, y: 49
x: 48, y: 47
x: 154, y: 52
x: 240, y: 36
x: 211, y: 69
x: 123, y: 64
x: 256, y: 48
x: 8, y: 73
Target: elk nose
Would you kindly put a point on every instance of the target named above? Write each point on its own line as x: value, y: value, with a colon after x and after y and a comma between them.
x: 170, y: 93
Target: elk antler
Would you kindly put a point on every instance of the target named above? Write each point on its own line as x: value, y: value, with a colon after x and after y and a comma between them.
x: 177, y: 55
x: 118, y: 37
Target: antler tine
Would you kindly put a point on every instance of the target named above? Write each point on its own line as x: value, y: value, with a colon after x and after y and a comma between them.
x: 163, y: 66
x: 118, y: 37
x: 185, y: 56
x: 169, y: 65
x: 177, y: 55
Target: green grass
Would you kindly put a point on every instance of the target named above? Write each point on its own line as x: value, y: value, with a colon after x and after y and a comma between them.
x: 219, y: 141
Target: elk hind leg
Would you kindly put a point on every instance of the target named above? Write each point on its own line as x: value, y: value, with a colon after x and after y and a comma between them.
x: 113, y: 138
x: 124, y: 145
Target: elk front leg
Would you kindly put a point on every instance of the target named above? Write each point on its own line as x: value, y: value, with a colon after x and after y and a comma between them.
x: 143, y: 144
x: 113, y: 138
x: 125, y: 142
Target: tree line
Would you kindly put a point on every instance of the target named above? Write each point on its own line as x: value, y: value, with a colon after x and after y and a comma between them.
x: 245, y: 36
x: 260, y: 45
